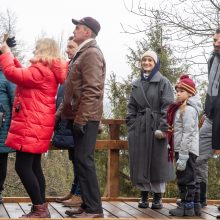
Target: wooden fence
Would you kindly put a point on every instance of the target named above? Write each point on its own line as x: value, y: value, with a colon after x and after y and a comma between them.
x: 113, y: 145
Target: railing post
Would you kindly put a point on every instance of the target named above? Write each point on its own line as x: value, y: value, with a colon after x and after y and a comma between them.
x: 113, y: 164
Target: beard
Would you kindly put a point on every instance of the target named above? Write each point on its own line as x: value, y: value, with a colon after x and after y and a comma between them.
x: 216, y: 51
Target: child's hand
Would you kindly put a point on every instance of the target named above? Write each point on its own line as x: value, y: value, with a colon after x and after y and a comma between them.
x: 181, y: 162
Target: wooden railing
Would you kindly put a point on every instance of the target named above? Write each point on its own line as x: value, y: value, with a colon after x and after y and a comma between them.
x: 114, y: 145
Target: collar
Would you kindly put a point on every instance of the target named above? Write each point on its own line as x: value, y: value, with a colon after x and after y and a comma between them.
x: 157, y: 77
x: 83, y: 44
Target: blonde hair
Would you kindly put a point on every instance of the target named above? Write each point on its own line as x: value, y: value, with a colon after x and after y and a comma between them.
x: 46, y: 50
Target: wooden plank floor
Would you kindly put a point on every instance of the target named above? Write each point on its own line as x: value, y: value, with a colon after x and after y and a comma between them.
x: 112, y: 209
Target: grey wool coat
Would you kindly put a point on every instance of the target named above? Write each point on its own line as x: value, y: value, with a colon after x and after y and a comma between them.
x: 147, y: 109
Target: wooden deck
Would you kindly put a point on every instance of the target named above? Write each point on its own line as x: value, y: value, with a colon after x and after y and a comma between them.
x: 13, y: 208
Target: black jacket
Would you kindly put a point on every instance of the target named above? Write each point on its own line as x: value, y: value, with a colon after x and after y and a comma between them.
x: 212, y: 111
x: 62, y: 133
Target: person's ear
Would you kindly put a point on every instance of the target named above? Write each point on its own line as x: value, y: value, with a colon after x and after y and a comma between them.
x: 89, y: 32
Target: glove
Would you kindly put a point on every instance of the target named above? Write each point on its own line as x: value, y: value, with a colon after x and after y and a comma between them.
x: 181, y: 162
x: 11, y: 42
x: 78, y: 130
x: 160, y: 134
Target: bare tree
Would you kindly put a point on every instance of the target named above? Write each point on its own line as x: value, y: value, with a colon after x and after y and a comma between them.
x: 8, y: 21
x: 187, y: 24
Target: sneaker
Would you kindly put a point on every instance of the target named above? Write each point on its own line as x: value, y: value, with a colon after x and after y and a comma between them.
x: 178, y: 202
x: 74, y: 201
x: 185, y: 209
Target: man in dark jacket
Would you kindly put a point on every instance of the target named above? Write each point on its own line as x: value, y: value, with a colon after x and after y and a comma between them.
x: 209, y: 132
x: 83, y: 105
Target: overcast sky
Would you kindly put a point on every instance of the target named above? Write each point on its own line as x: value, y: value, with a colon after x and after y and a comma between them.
x: 53, y: 17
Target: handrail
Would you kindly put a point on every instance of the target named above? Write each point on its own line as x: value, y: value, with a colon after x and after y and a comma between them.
x: 113, y: 145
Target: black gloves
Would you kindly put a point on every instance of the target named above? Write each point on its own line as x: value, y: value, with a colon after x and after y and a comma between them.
x: 78, y: 130
x: 11, y: 42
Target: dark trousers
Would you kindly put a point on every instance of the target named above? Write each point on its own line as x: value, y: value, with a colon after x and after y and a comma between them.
x: 186, y: 180
x: 75, y: 189
x: 85, y: 168
x: 28, y: 168
x: 3, y: 169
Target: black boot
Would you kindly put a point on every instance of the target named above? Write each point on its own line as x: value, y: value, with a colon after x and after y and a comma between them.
x: 185, y: 209
x: 197, y: 209
x: 203, y: 198
x: 157, y: 201
x: 197, y: 204
x: 143, y: 203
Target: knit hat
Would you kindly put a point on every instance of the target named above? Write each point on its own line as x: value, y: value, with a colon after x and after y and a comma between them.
x: 186, y: 84
x: 150, y: 53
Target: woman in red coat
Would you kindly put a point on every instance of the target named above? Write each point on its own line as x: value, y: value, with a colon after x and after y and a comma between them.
x: 33, y: 115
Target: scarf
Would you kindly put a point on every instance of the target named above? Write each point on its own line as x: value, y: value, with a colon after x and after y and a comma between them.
x: 170, y: 133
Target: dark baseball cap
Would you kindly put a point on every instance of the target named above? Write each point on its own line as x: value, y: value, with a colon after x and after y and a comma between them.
x: 90, y: 23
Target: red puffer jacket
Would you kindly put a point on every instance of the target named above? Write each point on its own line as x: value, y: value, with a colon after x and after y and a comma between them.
x: 34, y: 106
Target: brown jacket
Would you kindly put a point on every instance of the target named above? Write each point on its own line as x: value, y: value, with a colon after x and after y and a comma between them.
x: 84, y: 86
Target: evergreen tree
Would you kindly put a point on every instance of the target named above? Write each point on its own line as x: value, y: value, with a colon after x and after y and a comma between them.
x: 170, y: 67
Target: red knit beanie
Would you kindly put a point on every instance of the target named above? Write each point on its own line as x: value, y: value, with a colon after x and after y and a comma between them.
x: 186, y: 84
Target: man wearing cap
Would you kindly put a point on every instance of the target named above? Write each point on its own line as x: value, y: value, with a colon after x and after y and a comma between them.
x: 83, y: 105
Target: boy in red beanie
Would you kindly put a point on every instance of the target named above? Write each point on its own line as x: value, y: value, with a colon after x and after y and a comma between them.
x: 183, y: 138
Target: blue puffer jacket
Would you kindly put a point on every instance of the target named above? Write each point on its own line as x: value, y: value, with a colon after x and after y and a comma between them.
x: 62, y: 134
x: 6, y: 102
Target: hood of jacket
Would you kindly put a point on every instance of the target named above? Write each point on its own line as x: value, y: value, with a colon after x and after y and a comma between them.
x: 59, y: 68
x: 195, y: 102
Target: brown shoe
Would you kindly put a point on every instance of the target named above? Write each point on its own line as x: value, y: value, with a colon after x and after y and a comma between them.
x: 88, y: 215
x: 74, y: 201
x: 38, y: 211
x: 71, y: 212
x: 66, y: 197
